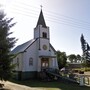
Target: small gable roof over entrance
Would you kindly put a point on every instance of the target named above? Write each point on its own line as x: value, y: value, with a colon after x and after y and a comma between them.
x: 23, y: 47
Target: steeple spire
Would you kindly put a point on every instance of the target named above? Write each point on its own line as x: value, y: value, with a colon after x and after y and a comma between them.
x: 41, y: 20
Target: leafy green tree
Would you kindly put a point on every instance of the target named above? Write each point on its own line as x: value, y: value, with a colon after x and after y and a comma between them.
x: 79, y: 58
x: 62, y: 59
x: 6, y: 43
x: 72, y: 58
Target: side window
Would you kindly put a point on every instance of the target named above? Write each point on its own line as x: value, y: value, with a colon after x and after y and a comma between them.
x: 18, y: 62
x: 30, y: 61
x: 44, y: 34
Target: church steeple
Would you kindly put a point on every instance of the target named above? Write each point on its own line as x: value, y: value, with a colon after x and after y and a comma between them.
x: 41, y: 20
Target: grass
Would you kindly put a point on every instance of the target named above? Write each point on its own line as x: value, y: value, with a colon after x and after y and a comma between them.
x: 85, y: 69
x: 54, y: 85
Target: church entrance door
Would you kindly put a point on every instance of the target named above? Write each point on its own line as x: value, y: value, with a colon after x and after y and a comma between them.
x: 44, y: 63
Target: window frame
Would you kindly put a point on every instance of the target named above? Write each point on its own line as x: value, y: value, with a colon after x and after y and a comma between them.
x: 44, y: 35
x: 18, y: 62
x: 30, y: 61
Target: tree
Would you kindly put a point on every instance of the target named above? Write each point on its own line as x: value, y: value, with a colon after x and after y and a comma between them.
x: 86, y: 51
x: 6, y: 43
x: 62, y: 59
x: 79, y: 58
x: 83, y: 44
x: 72, y: 58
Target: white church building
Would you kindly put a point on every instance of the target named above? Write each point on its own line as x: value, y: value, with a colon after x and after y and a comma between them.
x: 36, y: 54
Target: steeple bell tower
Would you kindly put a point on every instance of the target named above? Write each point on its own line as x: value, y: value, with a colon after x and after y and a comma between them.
x: 41, y: 20
x: 41, y: 32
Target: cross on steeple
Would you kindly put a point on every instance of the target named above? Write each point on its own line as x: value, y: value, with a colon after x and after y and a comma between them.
x: 41, y: 6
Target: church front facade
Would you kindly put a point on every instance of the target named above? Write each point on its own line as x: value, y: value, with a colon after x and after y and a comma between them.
x: 35, y: 55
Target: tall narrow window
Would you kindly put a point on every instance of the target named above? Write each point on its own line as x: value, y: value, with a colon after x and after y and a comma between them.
x: 30, y: 61
x: 18, y: 62
x: 44, y: 34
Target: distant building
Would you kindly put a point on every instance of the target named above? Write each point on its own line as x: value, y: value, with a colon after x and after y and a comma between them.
x: 74, y: 65
x: 35, y: 54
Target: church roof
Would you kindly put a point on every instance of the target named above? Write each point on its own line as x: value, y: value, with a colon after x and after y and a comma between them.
x: 23, y: 47
x: 41, y: 20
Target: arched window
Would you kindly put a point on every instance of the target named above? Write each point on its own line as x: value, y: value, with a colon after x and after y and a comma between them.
x: 44, y: 34
x: 30, y: 61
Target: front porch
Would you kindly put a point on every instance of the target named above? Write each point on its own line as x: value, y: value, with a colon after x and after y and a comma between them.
x: 47, y: 62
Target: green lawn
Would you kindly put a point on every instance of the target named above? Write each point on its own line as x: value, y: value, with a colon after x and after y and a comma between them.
x: 54, y: 85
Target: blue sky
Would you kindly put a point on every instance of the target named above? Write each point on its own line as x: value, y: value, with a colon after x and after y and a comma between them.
x: 67, y: 20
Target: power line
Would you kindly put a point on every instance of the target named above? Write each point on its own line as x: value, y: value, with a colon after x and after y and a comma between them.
x: 53, y: 13
x: 68, y: 21
x: 68, y: 24
x: 50, y: 16
x: 24, y: 4
x: 65, y: 16
x: 50, y: 19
